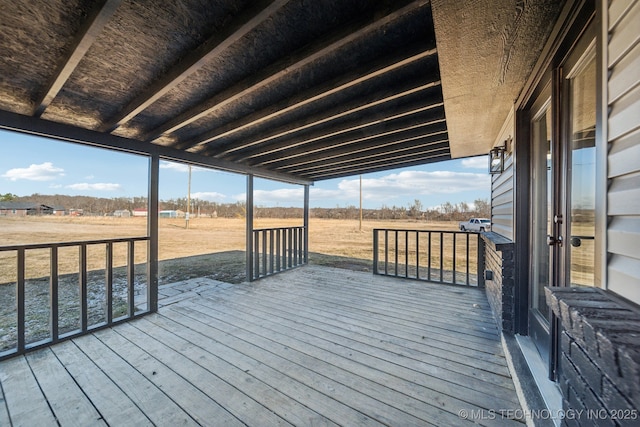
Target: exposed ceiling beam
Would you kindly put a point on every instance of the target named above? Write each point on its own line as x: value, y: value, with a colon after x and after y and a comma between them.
x: 48, y: 129
x: 382, y: 166
x: 90, y: 29
x: 272, y: 155
x: 430, y: 132
x: 188, y: 65
x: 277, y: 71
x: 428, y: 146
x: 323, y: 92
x: 326, y: 118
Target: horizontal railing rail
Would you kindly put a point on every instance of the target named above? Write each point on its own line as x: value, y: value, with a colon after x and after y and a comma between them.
x: 451, y: 257
x: 66, y: 316
x: 278, y: 249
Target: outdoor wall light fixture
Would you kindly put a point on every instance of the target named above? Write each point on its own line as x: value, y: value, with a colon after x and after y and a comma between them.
x: 496, y: 158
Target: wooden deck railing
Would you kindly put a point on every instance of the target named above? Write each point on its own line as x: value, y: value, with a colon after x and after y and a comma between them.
x: 451, y: 257
x: 277, y: 249
x: 24, y: 325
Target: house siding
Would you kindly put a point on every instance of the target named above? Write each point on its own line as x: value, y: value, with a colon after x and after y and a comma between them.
x: 623, y: 167
x: 502, y: 188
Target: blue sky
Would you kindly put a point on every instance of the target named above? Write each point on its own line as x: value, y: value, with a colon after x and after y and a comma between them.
x: 30, y: 164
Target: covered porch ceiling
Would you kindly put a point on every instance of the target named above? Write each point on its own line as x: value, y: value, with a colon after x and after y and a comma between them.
x: 294, y: 90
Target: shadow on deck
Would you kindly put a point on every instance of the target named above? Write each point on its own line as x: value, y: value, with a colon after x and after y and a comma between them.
x: 312, y: 346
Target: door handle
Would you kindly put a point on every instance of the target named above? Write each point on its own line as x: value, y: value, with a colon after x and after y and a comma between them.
x: 552, y: 241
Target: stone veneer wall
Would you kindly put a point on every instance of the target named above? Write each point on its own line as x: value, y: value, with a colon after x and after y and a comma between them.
x: 500, y: 260
x: 599, y: 356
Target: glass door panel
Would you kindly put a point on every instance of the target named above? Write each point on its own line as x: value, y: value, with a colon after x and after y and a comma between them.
x: 542, y: 202
x: 542, y: 205
x: 582, y: 173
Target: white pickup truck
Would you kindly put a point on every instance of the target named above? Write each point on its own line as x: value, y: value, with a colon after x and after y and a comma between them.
x: 476, y: 224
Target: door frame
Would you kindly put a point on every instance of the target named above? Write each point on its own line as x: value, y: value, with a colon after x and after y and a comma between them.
x: 572, y: 23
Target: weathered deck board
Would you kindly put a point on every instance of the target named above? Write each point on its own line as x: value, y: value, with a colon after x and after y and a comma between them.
x: 61, y: 391
x: 112, y: 402
x: 235, y: 389
x: 313, y: 346
x: 25, y: 403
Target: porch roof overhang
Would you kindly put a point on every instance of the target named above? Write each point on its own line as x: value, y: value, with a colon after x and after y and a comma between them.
x: 291, y: 90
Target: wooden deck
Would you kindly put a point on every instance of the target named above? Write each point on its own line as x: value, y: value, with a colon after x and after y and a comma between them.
x: 312, y: 346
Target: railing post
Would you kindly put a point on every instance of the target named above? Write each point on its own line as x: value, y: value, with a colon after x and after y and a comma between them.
x: 441, y: 257
x: 131, y: 277
x: 386, y: 252
x: 264, y: 253
x: 271, y: 234
x: 53, y: 293
x: 278, y: 254
x: 82, y: 279
x: 395, y: 268
x: 375, y: 251
x: 455, y: 234
x: 256, y: 254
x: 481, y: 262
x: 20, y: 300
x: 406, y: 253
x: 417, y: 254
x: 429, y: 256
x: 468, y: 261
x: 109, y: 283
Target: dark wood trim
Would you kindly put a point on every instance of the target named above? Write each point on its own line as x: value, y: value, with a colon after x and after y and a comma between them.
x: 153, y: 233
x: 282, y: 68
x: 406, y: 148
x: 218, y: 43
x: 522, y: 183
x: 298, y: 147
x: 356, y: 106
x: 249, y: 228
x: 63, y: 132
x: 386, y: 162
x: 87, y: 34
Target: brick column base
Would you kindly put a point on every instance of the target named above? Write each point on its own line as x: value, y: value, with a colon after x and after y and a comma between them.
x: 599, y: 370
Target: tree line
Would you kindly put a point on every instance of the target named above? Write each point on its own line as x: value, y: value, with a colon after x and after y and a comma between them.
x: 107, y: 206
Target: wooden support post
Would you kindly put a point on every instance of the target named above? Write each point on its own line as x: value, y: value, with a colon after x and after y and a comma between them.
x: 152, y: 232
x: 306, y: 223
x: 249, y: 228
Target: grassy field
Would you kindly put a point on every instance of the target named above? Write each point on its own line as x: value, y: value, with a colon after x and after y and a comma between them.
x: 181, y: 249
x: 210, y: 247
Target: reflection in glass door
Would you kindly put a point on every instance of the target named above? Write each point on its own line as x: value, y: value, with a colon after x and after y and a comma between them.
x: 542, y: 225
x: 582, y: 123
x: 562, y: 191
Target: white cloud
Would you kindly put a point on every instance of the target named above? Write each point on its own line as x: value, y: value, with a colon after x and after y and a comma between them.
x: 417, y: 183
x: 43, y: 172
x: 281, y: 196
x: 386, y: 189
x: 475, y: 162
x: 89, y: 177
x: 180, y: 167
x: 210, y: 196
x: 99, y: 186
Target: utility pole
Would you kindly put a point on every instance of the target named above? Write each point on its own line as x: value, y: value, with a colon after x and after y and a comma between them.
x: 188, y: 199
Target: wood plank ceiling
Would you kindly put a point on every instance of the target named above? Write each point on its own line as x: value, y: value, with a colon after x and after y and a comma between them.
x: 305, y: 89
